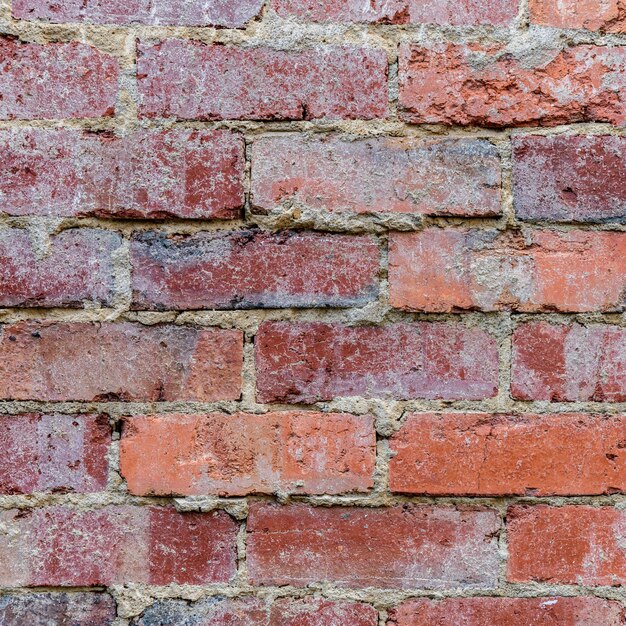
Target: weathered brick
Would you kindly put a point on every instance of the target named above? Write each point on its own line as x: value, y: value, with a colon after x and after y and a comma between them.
x: 155, y: 174
x: 489, y: 270
x: 603, y: 15
x: 578, y: 545
x: 310, y: 362
x: 192, y: 80
x: 56, y: 453
x: 321, y: 612
x: 58, y: 546
x: 251, y: 269
x: 567, y: 454
x: 56, y: 80
x: 406, y: 547
x: 75, y: 269
x: 243, y: 453
x: 118, y: 362
x: 569, y: 363
x: 586, y: 611
x: 570, y: 178
x: 453, y: 177
x: 487, y: 85
x: 227, y: 13
x: 443, y: 12
x: 52, y: 609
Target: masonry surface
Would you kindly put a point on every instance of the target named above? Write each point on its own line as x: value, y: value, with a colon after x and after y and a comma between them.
x: 312, y: 313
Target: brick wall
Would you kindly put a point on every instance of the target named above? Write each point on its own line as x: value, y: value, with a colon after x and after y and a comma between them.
x: 312, y: 312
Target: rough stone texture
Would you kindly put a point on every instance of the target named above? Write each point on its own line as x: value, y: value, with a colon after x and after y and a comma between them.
x: 489, y: 86
x: 570, y: 178
x: 576, y: 545
x: 241, y: 454
x: 542, y: 611
x: 176, y: 173
x: 539, y: 455
x: 229, y: 13
x: 569, y: 363
x: 58, y: 546
x: 57, y: 453
x: 309, y: 362
x: 55, y: 80
x: 603, y: 15
x: 454, y: 177
x: 252, y: 269
x: 75, y: 269
x: 104, y: 362
x: 487, y: 270
x: 191, y: 80
x: 56, y: 609
x: 443, y: 12
x: 406, y: 547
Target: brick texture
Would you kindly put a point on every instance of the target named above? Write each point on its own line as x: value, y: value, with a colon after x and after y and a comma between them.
x: 567, y: 454
x: 377, y: 175
x: 315, y: 361
x: 176, y: 173
x: 406, y: 547
x: 249, y: 269
x: 603, y: 15
x: 243, y: 453
x: 486, y: 270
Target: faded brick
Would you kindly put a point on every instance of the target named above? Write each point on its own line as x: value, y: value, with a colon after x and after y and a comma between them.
x: 311, y: 362
x: 55, y: 81
x: 192, y: 80
x: 58, y: 546
x: 603, y: 15
x: 572, y: 545
x: 489, y: 270
x: 227, y: 13
x: 408, y: 547
x: 452, y: 177
x: 155, y: 174
x: 75, y: 269
x: 570, y: 178
x: 250, y: 269
x: 539, y: 455
x: 569, y: 363
x: 485, y: 85
x: 243, y: 453
x: 118, y: 362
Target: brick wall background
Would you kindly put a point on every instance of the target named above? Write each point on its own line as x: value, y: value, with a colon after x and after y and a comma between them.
x: 312, y: 312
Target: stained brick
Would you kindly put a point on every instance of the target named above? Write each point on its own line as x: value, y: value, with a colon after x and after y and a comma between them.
x: 452, y: 177
x: 603, y: 15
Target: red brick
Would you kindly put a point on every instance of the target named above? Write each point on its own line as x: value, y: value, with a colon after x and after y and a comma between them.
x: 310, y: 362
x: 243, y: 453
x: 532, y: 270
x: 252, y: 269
x: 452, y: 177
x: 192, y: 80
x: 569, y: 454
x: 118, y: 362
x: 77, y: 268
x: 442, y: 12
x: 48, y: 608
x: 545, y: 611
x: 569, y: 363
x: 321, y: 612
x: 56, y: 80
x: 156, y: 174
x: 604, y: 15
x: 577, y: 545
x: 569, y: 178
x: 58, y: 546
x: 164, y: 12
x: 485, y: 85
x: 406, y: 547
x: 56, y: 453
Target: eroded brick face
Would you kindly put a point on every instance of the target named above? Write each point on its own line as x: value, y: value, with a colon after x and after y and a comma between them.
x: 599, y: 15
